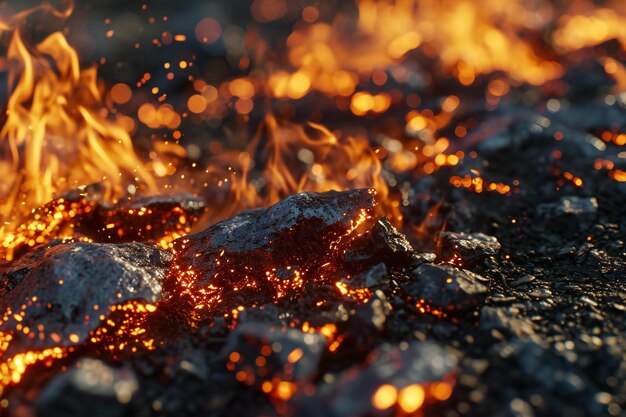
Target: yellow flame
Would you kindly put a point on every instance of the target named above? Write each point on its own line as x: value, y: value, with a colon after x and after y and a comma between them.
x: 57, y: 131
x: 469, y: 38
x: 300, y: 158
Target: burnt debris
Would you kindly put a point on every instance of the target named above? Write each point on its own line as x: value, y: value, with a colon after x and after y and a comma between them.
x: 90, y: 387
x: 81, y: 214
x: 445, y: 289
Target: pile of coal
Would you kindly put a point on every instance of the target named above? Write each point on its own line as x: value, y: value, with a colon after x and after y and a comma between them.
x: 315, y: 307
x: 548, y: 324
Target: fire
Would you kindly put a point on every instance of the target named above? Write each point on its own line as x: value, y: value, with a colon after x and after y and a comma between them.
x: 467, y: 40
x: 58, y: 133
x: 299, y: 158
x: 577, y: 31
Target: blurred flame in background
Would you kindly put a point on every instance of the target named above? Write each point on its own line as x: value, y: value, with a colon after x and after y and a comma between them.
x: 297, y: 158
x: 60, y: 132
x: 468, y: 37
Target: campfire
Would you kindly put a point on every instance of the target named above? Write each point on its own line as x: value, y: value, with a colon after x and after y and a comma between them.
x: 274, y: 208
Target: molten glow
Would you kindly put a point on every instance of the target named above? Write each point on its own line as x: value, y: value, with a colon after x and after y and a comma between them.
x: 478, y: 185
x: 45, y: 224
x: 359, y: 294
x: 441, y: 390
x: 125, y: 329
x: 11, y: 370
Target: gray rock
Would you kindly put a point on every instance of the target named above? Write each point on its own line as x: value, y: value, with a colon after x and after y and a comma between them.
x: 447, y: 288
x: 373, y: 277
x: 92, y: 389
x: 264, y: 254
x: 368, y: 320
x: 569, y: 212
x: 505, y: 319
x: 534, y: 130
x: 468, y: 248
x: 383, y: 243
x: 59, y: 292
x: 548, y: 368
x: 289, y: 354
x: 400, y: 366
x: 526, y: 279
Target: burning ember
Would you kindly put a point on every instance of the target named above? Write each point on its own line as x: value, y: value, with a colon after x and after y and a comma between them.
x: 273, y: 208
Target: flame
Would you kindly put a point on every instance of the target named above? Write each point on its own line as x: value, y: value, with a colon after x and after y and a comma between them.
x: 577, y: 31
x: 58, y: 133
x: 465, y: 39
x: 299, y: 158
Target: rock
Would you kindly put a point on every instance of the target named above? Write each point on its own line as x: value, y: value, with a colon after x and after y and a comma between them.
x: 467, y: 248
x: 532, y: 130
x: 60, y: 291
x: 518, y: 408
x: 399, y: 367
x: 446, y: 288
x: 288, y: 354
x: 374, y: 313
x: 193, y: 363
x: 262, y: 255
x: 91, y: 388
x: 526, y: 279
x: 569, y: 212
x: 365, y: 325
x: 373, y: 277
x: 505, y: 319
x: 145, y: 218
x: 383, y: 243
x: 82, y: 213
x: 545, y: 368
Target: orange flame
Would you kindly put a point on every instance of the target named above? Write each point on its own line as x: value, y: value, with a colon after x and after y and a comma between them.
x: 331, y: 59
x: 300, y: 158
x: 58, y: 133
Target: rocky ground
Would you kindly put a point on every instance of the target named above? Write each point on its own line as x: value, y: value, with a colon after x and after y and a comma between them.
x: 516, y: 302
x: 503, y: 293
